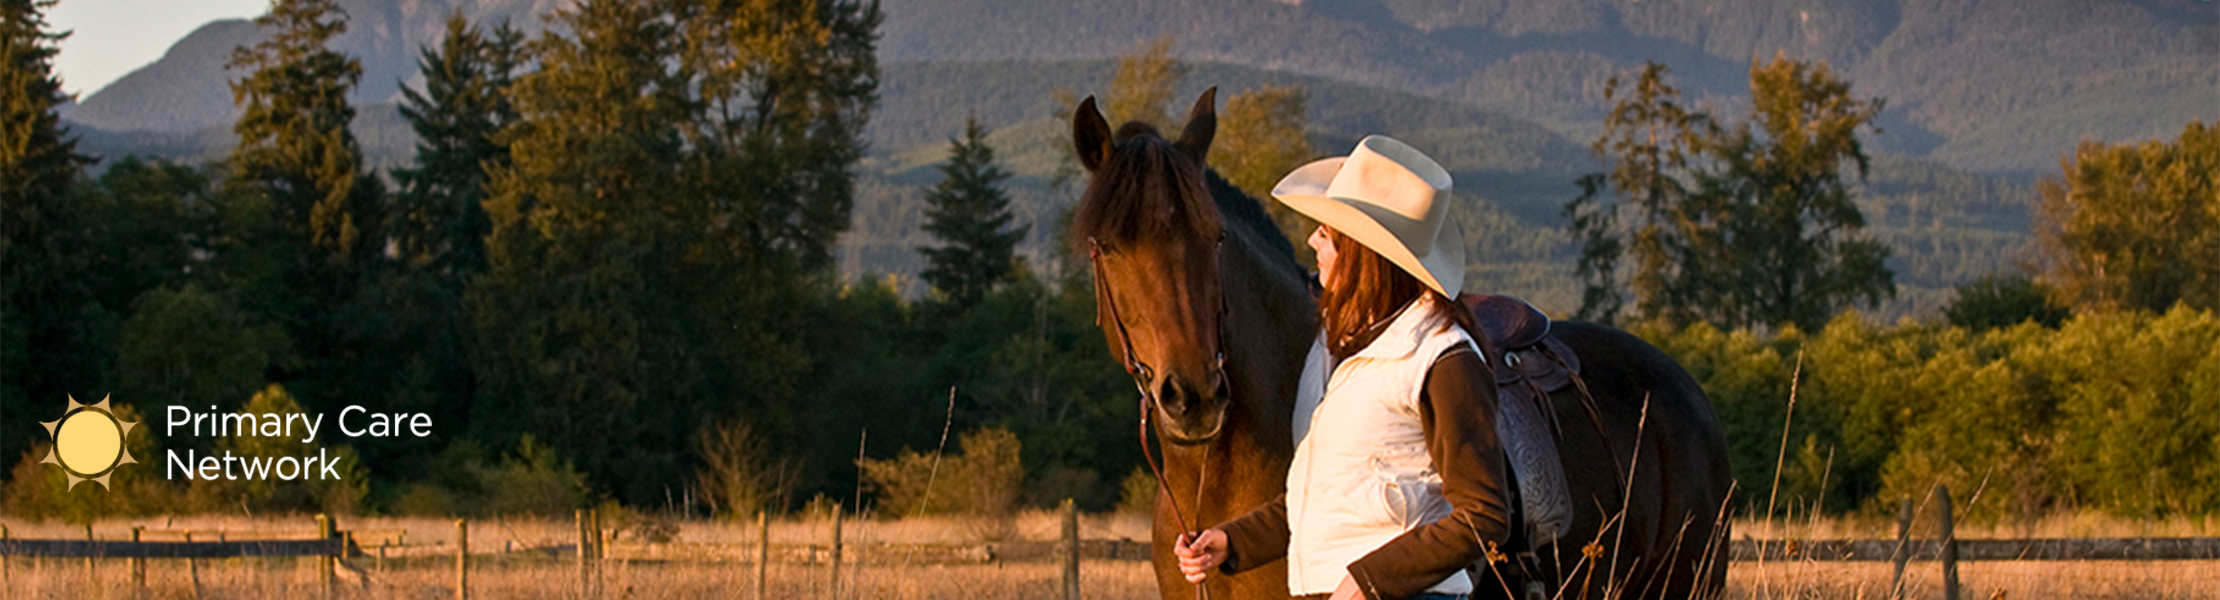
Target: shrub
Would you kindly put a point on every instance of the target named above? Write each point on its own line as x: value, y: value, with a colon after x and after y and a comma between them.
x: 1137, y: 494
x: 739, y: 476
x: 984, y: 481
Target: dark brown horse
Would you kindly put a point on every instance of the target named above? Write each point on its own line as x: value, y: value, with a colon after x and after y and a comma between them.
x: 1201, y: 298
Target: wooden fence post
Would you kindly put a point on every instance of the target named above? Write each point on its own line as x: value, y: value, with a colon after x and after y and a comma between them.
x: 193, y: 565
x: 763, y: 555
x: 1071, y: 550
x: 325, y: 564
x: 1903, y: 549
x: 92, y: 577
x: 462, y: 559
x: 583, y: 549
x: 837, y: 512
x: 601, y: 547
x: 138, y: 564
x: 1949, y: 545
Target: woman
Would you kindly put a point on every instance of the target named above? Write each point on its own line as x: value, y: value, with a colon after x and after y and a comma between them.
x: 1398, y: 482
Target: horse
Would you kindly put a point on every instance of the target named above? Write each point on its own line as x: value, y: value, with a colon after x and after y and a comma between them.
x: 1201, y: 299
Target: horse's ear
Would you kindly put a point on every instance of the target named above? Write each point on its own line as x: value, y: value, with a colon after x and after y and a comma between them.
x: 1202, y: 125
x: 1090, y: 135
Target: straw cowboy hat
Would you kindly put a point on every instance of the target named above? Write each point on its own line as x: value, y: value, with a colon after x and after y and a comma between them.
x: 1389, y: 197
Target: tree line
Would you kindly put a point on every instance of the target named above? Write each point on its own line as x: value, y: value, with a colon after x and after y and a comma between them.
x: 2083, y: 380
x: 608, y: 276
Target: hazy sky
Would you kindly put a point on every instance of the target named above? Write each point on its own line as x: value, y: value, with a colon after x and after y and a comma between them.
x: 113, y: 37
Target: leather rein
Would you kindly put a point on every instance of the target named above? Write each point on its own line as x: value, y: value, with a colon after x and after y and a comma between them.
x: 1107, y: 309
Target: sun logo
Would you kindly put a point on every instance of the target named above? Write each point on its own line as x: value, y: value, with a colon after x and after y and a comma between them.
x: 88, y: 442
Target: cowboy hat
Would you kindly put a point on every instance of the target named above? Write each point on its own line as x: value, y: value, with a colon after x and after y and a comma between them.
x: 1389, y: 197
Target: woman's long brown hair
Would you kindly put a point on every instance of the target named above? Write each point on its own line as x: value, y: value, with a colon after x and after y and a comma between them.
x: 1367, y: 290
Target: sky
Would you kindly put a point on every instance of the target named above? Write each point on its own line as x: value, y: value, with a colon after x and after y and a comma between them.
x: 113, y: 37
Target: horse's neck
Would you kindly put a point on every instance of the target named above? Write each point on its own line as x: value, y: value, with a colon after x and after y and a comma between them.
x: 1271, y: 320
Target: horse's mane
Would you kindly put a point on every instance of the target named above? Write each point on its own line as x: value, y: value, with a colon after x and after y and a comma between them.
x: 1141, y: 195
x: 1242, y: 210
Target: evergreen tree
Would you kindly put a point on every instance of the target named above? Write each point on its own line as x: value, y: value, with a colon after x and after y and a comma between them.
x: 580, y: 342
x: 47, y: 348
x: 1647, y: 142
x: 677, y: 176
x: 969, y: 212
x: 39, y: 162
x: 295, y: 152
x: 300, y: 235
x: 438, y: 222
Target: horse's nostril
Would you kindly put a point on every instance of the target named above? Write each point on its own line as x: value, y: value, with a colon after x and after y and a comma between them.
x: 1171, y: 396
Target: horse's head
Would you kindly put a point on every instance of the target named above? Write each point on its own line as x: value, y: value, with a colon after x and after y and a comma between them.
x: 1153, y: 234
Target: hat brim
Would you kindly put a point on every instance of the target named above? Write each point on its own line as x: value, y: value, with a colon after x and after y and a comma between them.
x: 1441, y: 267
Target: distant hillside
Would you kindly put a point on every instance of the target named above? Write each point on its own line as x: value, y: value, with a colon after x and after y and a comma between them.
x: 1946, y: 226
x: 188, y: 89
x: 1984, y: 85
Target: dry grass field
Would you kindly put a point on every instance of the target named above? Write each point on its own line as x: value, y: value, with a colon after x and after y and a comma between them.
x: 523, y: 558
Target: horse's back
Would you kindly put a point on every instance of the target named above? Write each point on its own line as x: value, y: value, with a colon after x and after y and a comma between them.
x: 1680, y: 463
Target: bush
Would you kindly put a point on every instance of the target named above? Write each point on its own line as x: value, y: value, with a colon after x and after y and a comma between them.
x: 41, y: 491
x: 984, y: 481
x: 461, y: 482
x: 1137, y: 493
x: 2003, y: 301
x: 2112, y: 411
x: 309, y: 494
x: 738, y: 475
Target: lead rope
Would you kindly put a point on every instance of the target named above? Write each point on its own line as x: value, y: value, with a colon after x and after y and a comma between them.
x: 1202, y: 477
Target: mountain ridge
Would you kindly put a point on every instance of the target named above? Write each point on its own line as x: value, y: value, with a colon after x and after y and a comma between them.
x: 1985, y: 85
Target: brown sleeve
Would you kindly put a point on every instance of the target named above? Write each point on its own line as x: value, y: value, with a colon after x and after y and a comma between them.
x: 1256, y: 538
x: 1457, y: 410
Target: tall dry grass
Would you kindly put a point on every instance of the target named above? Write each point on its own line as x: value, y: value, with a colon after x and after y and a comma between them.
x: 536, y: 577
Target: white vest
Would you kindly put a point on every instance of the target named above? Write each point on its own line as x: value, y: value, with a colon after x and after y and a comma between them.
x: 1361, y: 474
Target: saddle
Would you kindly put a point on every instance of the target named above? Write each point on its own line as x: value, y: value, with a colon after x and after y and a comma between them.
x: 1529, y: 366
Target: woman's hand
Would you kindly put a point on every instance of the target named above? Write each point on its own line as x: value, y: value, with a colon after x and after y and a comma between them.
x: 1348, y: 589
x: 1199, y: 554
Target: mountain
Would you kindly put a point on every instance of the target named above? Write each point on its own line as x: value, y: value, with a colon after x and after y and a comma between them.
x: 1983, y: 85
x: 188, y: 90
x: 1980, y: 95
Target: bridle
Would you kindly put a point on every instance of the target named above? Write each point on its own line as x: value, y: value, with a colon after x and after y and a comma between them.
x: 1107, y: 308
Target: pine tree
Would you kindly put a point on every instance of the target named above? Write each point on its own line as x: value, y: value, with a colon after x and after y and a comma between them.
x: 38, y: 159
x: 1648, y: 138
x: 438, y: 222
x: 969, y: 212
x: 580, y: 341
x: 45, y: 348
x: 295, y: 150
x: 677, y: 176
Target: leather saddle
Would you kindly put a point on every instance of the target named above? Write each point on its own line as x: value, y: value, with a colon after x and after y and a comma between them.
x: 1529, y: 367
